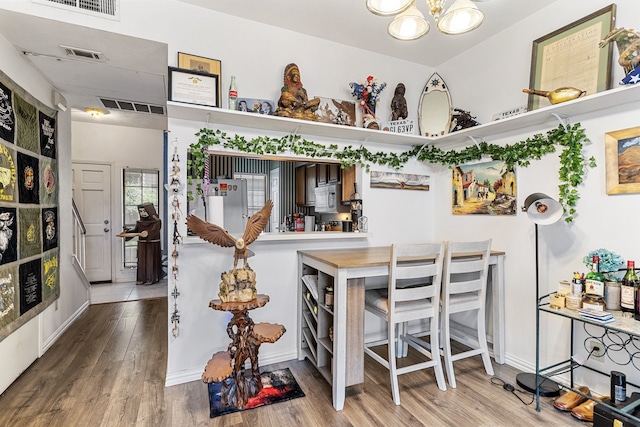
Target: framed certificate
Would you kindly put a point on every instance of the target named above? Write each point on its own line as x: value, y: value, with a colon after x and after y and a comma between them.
x: 193, y: 87
x: 571, y: 56
x: 202, y: 64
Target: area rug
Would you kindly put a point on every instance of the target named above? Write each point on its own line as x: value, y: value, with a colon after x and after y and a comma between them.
x: 277, y: 386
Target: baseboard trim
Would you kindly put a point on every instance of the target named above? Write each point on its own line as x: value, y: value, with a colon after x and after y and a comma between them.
x: 46, y: 344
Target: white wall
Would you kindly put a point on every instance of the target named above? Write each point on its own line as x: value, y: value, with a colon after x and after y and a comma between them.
x: 29, y: 342
x: 602, y: 220
x: 120, y: 147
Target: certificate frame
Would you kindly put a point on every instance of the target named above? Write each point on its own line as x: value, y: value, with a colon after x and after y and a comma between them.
x: 571, y: 56
x: 201, y: 64
x: 623, y: 171
x: 193, y: 87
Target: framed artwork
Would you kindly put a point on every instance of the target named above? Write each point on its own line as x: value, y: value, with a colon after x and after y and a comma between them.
x: 193, y: 87
x: 336, y: 111
x: 622, y: 150
x: 203, y: 65
x: 404, y: 181
x: 484, y: 188
x: 260, y: 106
x: 571, y: 56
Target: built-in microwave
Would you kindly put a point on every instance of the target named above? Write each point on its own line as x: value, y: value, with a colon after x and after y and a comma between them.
x: 328, y: 198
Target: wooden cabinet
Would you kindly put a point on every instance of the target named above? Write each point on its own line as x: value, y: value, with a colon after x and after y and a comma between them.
x: 333, y: 172
x: 322, y: 175
x: 348, y: 179
x: 306, y: 185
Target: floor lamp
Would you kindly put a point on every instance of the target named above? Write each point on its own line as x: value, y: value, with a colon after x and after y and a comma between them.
x: 542, y: 210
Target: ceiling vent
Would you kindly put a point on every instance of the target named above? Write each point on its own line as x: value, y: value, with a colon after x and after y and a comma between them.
x: 136, y: 107
x: 103, y: 8
x: 79, y: 53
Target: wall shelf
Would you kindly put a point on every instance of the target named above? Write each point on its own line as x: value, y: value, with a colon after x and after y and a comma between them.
x: 542, y: 116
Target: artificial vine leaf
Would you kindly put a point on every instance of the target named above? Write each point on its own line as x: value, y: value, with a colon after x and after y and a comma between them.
x: 573, y: 165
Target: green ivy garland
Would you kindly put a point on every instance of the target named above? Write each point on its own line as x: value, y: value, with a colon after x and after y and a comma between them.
x: 573, y: 164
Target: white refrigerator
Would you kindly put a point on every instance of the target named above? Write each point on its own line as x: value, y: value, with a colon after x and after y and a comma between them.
x: 225, y: 204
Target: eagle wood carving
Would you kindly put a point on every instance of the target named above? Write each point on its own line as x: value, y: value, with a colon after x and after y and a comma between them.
x: 217, y: 235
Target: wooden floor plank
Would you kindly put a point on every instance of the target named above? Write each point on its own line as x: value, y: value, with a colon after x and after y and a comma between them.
x: 108, y: 369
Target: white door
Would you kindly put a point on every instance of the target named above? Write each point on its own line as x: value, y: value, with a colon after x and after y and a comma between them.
x: 92, y: 194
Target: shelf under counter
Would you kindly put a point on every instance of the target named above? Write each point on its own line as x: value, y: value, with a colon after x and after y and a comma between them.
x: 293, y: 236
x: 627, y: 325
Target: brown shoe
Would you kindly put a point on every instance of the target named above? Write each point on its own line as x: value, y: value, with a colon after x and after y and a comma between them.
x: 571, y: 399
x: 584, y: 412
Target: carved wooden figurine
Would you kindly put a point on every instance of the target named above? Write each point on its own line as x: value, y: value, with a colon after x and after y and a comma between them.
x: 293, y: 100
x: 628, y: 43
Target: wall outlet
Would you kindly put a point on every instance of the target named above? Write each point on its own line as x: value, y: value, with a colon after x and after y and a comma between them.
x: 597, y: 351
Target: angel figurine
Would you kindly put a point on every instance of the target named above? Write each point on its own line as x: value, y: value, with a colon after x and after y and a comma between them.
x: 239, y: 283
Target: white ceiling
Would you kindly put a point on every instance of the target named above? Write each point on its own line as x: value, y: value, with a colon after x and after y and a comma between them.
x: 136, y: 69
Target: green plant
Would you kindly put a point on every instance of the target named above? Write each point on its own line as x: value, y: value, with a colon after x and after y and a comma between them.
x: 196, y: 161
x: 572, y: 161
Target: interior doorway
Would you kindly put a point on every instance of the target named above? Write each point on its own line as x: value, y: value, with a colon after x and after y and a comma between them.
x: 92, y: 195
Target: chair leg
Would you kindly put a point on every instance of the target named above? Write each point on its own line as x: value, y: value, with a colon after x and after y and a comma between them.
x: 402, y: 347
x: 482, y: 341
x: 393, y: 375
x: 435, y: 356
x: 446, y: 348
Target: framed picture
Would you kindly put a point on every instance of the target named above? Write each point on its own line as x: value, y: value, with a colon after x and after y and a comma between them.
x: 336, y: 111
x: 260, y: 106
x: 622, y: 149
x: 193, y: 87
x: 203, y: 65
x: 488, y: 188
x: 571, y: 56
x: 402, y: 181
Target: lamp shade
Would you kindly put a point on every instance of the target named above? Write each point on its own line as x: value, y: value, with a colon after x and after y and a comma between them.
x: 542, y: 209
x: 461, y: 17
x: 409, y: 25
x: 388, y: 7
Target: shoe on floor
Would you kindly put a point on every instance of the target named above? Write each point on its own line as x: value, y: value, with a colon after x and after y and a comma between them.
x: 571, y: 399
x: 584, y: 411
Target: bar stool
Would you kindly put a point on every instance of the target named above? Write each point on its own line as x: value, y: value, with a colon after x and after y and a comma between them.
x: 413, y: 292
x: 464, y: 288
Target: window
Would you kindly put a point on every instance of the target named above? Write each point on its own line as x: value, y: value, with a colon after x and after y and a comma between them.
x: 138, y: 186
x: 256, y: 190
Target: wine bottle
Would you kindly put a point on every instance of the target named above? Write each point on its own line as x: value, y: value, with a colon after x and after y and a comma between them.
x: 628, y: 288
x: 559, y: 95
x: 594, y: 284
x: 233, y: 94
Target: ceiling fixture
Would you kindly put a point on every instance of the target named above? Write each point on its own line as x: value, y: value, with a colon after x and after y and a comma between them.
x: 410, y: 24
x: 96, y: 113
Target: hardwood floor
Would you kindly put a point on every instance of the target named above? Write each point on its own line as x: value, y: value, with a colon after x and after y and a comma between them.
x: 108, y: 369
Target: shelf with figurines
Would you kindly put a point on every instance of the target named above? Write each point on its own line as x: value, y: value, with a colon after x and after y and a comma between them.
x: 546, y: 115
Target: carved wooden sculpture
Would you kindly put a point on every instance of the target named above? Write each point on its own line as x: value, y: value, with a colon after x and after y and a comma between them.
x: 628, y: 43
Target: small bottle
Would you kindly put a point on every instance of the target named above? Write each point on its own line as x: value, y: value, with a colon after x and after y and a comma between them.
x: 233, y: 94
x: 328, y: 297
x: 594, y: 284
x: 559, y: 95
x: 618, y: 387
x: 628, y: 288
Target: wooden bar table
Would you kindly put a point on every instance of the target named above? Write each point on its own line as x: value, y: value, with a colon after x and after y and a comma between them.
x: 348, y: 269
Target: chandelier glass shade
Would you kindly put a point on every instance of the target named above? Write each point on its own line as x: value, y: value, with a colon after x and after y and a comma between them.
x: 409, y: 23
x: 388, y: 7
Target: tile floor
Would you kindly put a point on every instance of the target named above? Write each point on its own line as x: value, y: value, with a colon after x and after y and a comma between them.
x: 102, y: 293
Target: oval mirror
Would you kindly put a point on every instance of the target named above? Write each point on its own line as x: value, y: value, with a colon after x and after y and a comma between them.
x: 434, y: 110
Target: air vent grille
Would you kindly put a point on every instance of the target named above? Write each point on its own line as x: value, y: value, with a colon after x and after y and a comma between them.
x: 79, y: 53
x: 117, y: 104
x: 105, y: 8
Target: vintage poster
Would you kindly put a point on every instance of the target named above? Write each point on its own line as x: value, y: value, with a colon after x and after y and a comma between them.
x: 403, y: 181
x: 7, y: 115
x: 49, y: 228
x: 50, y: 275
x: 28, y: 179
x: 30, y: 285
x: 8, y: 235
x: 484, y: 188
x: 30, y: 232
x: 48, y: 182
x: 7, y: 174
x: 26, y: 124
x: 8, y: 296
x: 47, y: 135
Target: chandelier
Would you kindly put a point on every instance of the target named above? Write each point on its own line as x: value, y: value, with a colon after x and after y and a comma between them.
x: 410, y: 24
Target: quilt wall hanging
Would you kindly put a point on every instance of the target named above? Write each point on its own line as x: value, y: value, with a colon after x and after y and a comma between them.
x: 29, y: 221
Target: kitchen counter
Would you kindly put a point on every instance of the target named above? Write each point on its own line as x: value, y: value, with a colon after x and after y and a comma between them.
x: 294, y: 236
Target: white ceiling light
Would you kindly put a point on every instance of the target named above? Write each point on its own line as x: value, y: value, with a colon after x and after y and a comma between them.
x: 461, y: 17
x: 388, y: 7
x: 409, y: 25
